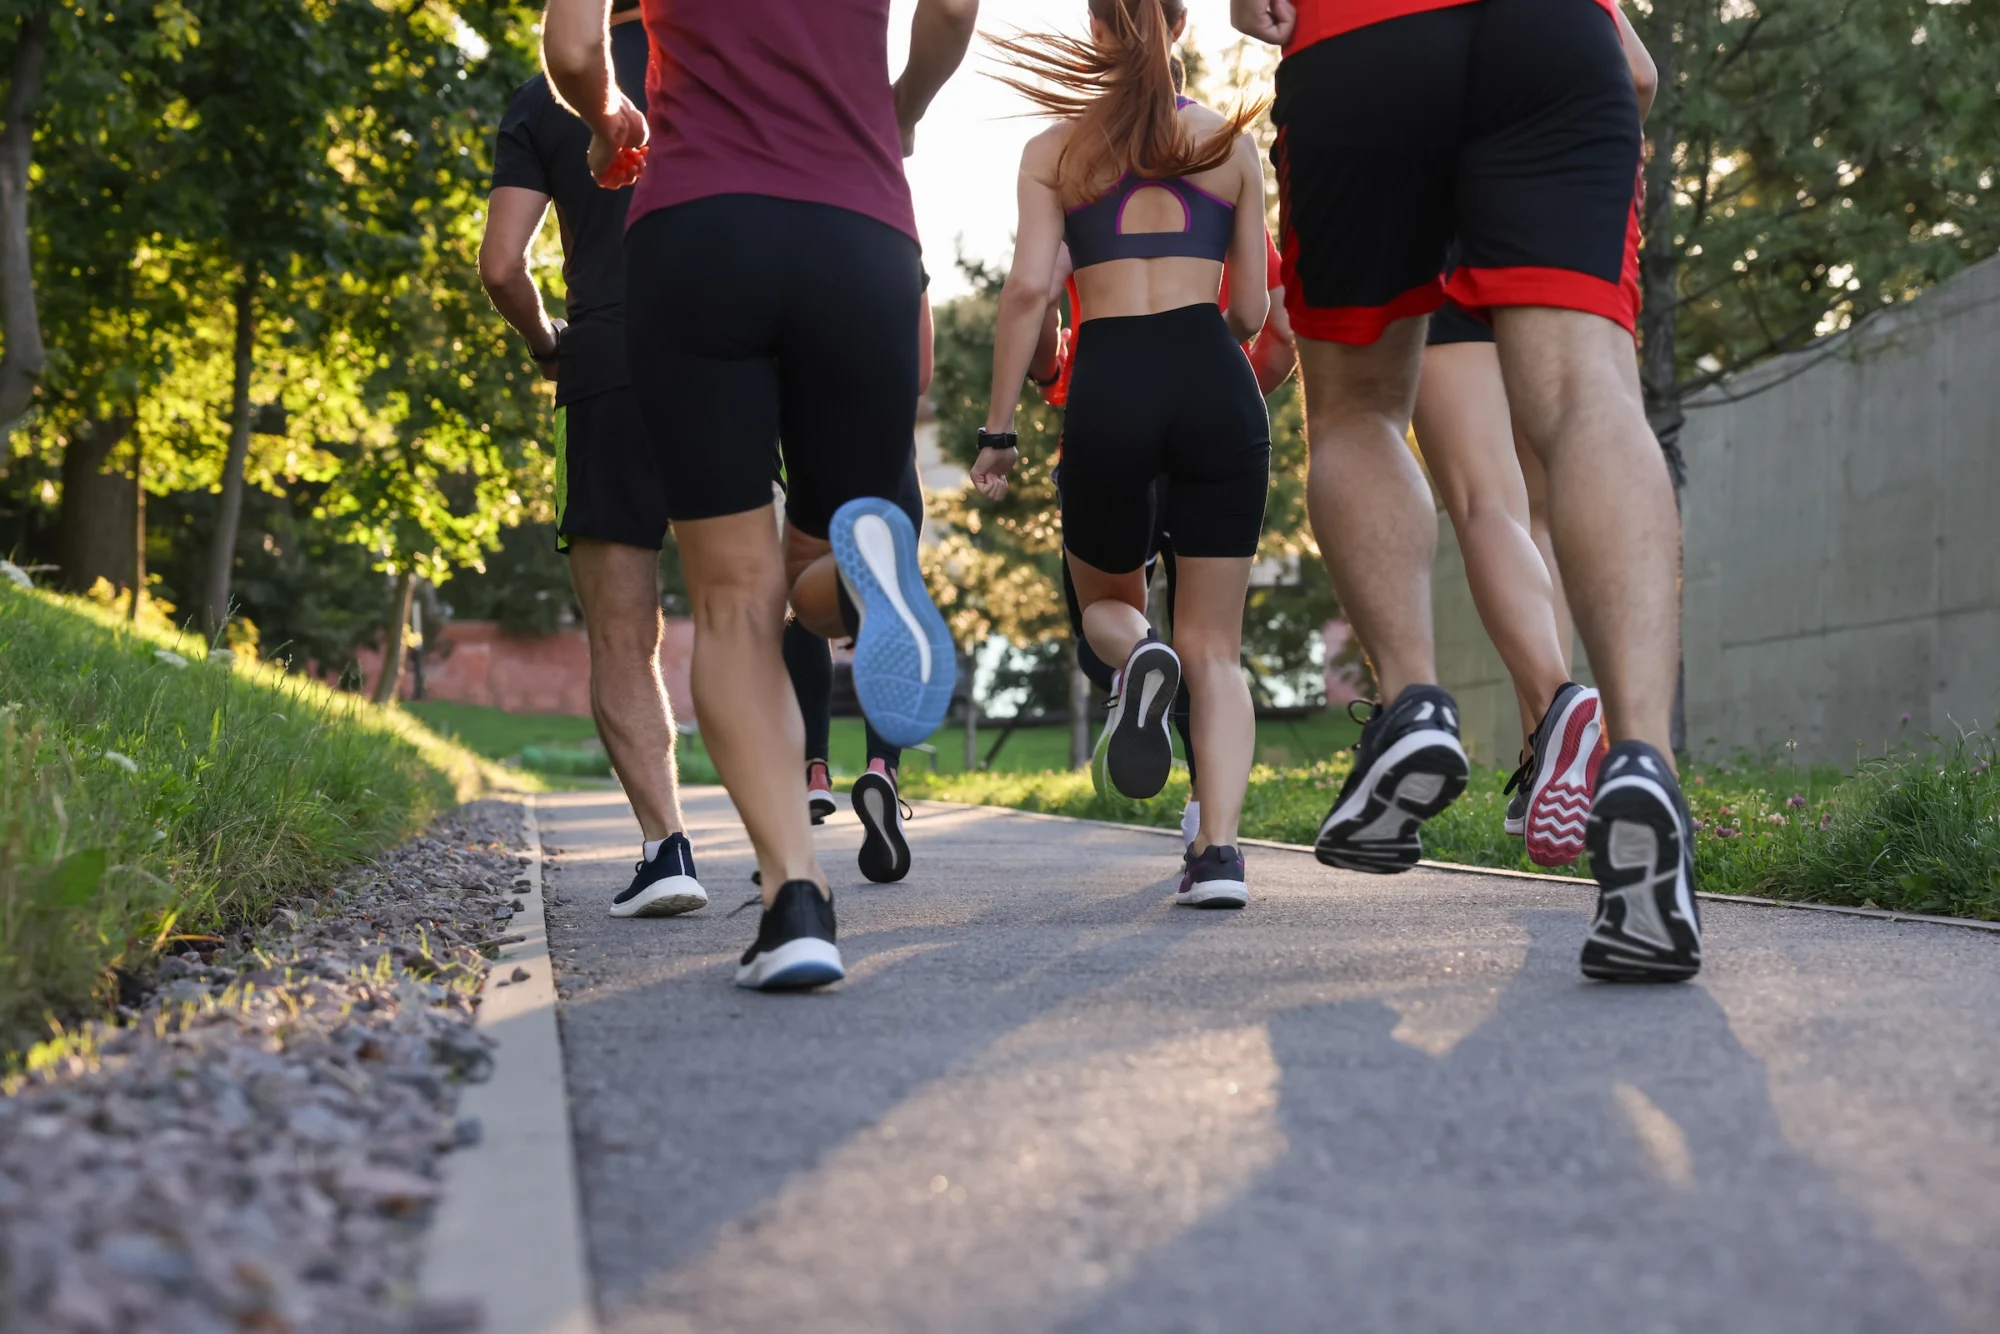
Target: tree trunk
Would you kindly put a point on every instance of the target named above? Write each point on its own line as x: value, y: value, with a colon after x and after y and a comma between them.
x: 222, y: 554
x: 25, y: 357
x: 1659, y: 296
x: 390, y: 682
x: 92, y: 523
x: 967, y: 665
x: 138, y: 527
x: 1079, y: 712
x: 1660, y: 264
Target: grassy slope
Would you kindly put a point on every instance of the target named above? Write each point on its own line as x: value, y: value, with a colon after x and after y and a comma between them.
x: 142, y: 800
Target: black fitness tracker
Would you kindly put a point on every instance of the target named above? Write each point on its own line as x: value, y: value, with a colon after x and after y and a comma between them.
x: 999, y: 439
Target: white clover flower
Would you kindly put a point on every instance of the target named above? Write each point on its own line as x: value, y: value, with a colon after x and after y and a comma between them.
x: 221, y: 657
x: 169, y: 657
x: 15, y: 575
x: 125, y: 762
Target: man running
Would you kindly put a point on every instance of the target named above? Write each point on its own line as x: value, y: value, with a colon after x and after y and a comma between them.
x: 1511, y: 125
x: 611, y: 511
x: 773, y: 280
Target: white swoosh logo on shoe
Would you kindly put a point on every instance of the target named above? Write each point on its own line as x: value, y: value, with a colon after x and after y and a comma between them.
x: 877, y: 545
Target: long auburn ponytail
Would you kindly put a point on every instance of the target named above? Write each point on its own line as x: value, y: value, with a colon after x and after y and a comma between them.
x: 1120, y: 96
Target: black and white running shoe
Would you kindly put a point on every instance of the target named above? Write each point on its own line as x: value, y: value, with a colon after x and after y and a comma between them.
x: 819, y: 792
x: 1213, y: 879
x: 1408, y: 766
x: 1516, y: 792
x: 665, y: 885
x: 1137, y: 751
x: 1568, y: 747
x: 794, y: 949
x: 885, y: 856
x: 1642, y: 853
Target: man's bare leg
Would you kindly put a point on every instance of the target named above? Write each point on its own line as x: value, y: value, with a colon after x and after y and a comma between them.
x: 1371, y: 508
x: 1467, y: 438
x: 1537, y: 481
x: 619, y: 588
x: 1574, y: 385
x: 815, y: 584
x: 750, y: 718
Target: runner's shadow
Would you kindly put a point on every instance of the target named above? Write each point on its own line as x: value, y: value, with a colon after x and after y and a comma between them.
x: 1589, y: 1158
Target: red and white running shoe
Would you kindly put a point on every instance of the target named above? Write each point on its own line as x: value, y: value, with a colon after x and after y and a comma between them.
x: 1569, y: 745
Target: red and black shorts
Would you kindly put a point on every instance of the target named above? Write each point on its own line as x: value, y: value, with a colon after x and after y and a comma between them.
x: 1508, y: 125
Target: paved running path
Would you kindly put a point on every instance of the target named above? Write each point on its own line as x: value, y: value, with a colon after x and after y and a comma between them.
x: 1047, y: 1099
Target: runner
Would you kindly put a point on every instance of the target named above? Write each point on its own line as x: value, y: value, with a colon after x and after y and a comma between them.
x: 885, y: 852
x: 1151, y: 193
x: 772, y: 274
x: 1512, y: 126
x: 1272, y: 356
x: 1482, y: 470
x: 611, y: 507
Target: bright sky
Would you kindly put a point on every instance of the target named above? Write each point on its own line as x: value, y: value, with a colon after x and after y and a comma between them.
x: 969, y: 144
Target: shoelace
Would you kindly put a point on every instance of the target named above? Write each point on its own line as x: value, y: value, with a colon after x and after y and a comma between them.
x: 1374, y: 707
x: 754, y: 899
x: 1521, y: 776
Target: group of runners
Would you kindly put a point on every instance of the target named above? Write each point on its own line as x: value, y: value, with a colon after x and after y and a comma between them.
x: 749, y: 333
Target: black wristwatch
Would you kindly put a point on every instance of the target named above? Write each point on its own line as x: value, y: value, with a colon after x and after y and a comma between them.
x: 999, y: 440
x: 555, y: 353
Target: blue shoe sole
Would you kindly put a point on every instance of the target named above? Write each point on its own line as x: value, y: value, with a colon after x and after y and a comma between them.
x: 905, y: 664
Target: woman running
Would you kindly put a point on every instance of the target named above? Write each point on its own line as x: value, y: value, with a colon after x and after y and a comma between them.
x: 1273, y: 356
x: 772, y: 285
x: 1152, y: 193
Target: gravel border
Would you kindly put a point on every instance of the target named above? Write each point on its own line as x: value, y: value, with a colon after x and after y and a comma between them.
x: 257, y: 1145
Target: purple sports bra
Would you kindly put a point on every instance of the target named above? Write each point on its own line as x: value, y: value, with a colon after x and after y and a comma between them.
x: 1095, y: 231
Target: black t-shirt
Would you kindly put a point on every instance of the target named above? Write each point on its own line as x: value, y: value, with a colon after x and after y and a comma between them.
x: 542, y: 147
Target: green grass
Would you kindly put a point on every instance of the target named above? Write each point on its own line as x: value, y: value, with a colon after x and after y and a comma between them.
x: 1034, y: 750
x: 1915, y: 832
x: 148, y: 795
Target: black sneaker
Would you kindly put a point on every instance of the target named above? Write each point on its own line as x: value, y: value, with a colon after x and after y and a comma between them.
x: 1642, y: 853
x: 794, y: 949
x: 819, y: 792
x: 664, y: 886
x: 1408, y: 766
x: 1213, y: 879
x: 1137, y: 751
x: 885, y: 856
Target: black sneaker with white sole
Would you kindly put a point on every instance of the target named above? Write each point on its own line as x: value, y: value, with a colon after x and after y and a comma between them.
x: 794, y: 949
x: 1516, y: 820
x: 665, y: 885
x: 1137, y: 751
x: 1641, y: 843
x: 1213, y: 878
x: 885, y: 854
x: 1408, y: 766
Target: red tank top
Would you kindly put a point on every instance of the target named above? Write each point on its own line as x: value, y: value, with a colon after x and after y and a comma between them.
x: 787, y: 98
x: 1321, y: 19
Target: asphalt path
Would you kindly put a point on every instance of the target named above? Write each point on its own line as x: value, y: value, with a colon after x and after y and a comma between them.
x: 1048, y: 1099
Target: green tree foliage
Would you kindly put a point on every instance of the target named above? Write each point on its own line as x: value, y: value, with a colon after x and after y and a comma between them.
x: 1809, y: 161
x: 320, y: 167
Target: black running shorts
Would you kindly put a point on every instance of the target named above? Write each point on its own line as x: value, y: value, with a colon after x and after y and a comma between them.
x: 1510, y: 124
x: 1453, y: 323
x: 751, y: 320
x: 608, y: 486
x: 1162, y: 395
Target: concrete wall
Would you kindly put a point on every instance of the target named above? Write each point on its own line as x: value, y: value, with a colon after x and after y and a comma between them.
x: 1842, y: 545
x: 1843, y: 535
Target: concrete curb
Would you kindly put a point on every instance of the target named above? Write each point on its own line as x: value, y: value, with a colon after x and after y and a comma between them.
x: 1880, y: 914
x: 509, y: 1233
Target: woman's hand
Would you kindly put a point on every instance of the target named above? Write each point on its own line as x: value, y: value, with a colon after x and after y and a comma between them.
x: 990, y: 469
x: 618, y: 147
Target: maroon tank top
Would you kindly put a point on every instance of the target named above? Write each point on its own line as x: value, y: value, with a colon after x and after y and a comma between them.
x: 787, y: 98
